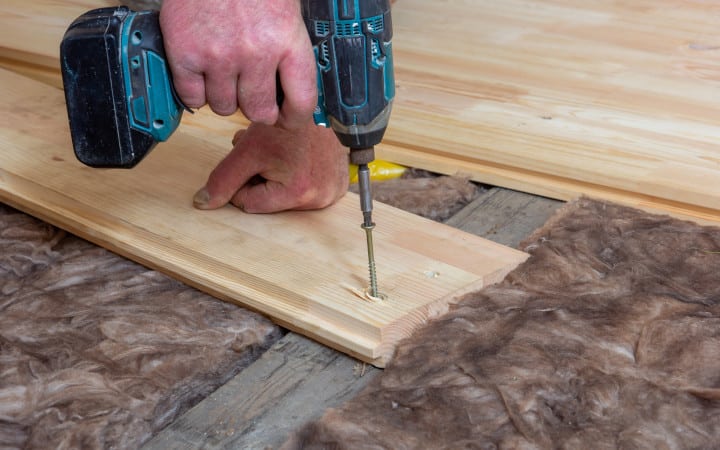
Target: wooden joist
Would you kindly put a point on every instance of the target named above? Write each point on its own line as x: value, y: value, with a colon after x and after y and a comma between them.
x: 302, y: 269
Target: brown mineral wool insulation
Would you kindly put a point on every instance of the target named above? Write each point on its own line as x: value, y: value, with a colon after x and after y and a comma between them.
x: 607, y: 337
x: 433, y: 197
x: 98, y: 352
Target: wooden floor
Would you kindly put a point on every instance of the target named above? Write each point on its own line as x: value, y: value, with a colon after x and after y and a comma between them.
x: 615, y: 100
x: 297, y: 268
x: 298, y: 379
x: 606, y: 98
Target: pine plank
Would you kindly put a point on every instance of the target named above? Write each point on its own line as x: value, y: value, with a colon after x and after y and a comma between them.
x: 35, y: 29
x: 299, y: 268
x: 559, y: 97
x: 563, y: 97
x: 37, y: 72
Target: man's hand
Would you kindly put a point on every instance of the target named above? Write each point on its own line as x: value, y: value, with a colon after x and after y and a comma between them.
x: 274, y: 169
x: 226, y: 53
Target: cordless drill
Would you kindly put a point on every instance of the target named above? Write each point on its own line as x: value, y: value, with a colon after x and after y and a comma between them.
x: 121, y: 101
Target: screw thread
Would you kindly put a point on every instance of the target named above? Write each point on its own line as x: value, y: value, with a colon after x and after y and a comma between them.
x: 373, y: 279
x: 371, y: 258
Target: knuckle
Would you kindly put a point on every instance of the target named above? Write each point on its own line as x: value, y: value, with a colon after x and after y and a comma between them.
x: 189, y: 86
x: 240, y: 205
x: 331, y: 196
x: 306, y: 192
x: 214, y: 52
x: 239, y: 200
x: 192, y: 102
x: 192, y: 99
x: 265, y: 113
x: 307, y: 99
x: 238, y: 135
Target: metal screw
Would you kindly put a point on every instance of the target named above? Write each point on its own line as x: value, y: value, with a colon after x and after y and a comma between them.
x: 371, y: 259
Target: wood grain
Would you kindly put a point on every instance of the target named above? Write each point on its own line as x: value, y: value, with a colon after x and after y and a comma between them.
x: 504, y: 216
x: 298, y: 267
x: 563, y: 97
x: 616, y: 100
x: 32, y: 31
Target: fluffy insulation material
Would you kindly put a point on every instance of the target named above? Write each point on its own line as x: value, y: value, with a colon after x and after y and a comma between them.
x: 99, y: 352
x: 607, y: 337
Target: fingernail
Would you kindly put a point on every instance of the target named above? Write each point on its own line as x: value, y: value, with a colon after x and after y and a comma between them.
x: 201, y: 198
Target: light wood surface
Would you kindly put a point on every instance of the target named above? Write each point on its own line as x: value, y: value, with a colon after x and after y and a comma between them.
x: 32, y: 31
x: 617, y: 100
x: 560, y: 97
x: 300, y: 268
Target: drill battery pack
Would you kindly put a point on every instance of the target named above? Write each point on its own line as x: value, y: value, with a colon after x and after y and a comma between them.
x: 118, y: 89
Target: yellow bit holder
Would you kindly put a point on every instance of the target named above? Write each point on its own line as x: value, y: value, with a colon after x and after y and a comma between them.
x: 379, y: 171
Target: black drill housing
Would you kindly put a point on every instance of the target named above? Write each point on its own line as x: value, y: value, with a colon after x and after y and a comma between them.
x: 352, y: 41
x: 95, y: 90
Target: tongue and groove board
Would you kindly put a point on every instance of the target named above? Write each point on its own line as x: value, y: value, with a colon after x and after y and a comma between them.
x: 558, y: 97
x: 300, y: 268
x: 618, y: 100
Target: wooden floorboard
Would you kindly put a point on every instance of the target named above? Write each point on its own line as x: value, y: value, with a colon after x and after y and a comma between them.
x: 298, y: 379
x: 305, y: 270
x: 615, y: 100
x: 563, y: 97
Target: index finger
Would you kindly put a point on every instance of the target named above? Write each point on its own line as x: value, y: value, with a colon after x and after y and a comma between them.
x: 298, y: 78
x: 190, y: 86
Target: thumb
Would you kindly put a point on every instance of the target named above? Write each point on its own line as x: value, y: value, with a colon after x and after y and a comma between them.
x: 224, y: 181
x: 203, y: 199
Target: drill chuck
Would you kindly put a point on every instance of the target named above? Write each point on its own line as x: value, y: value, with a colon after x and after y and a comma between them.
x: 360, y: 156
